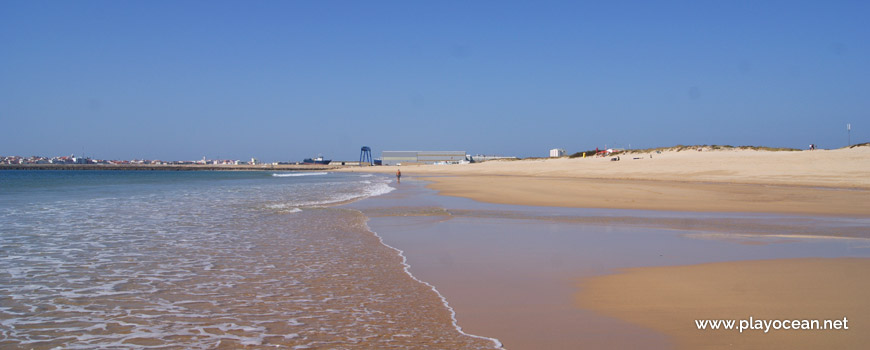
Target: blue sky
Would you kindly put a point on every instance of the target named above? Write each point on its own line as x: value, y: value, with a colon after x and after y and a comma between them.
x: 284, y: 80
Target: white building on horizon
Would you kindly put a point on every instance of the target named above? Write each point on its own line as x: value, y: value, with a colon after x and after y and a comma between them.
x: 557, y: 152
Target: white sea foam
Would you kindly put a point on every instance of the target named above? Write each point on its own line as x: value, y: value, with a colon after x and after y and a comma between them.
x: 285, y: 207
x: 163, y: 267
x: 369, y: 189
x: 373, y: 190
x: 298, y: 174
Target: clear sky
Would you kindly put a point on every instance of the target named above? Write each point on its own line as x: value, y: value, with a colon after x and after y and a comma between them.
x: 284, y: 80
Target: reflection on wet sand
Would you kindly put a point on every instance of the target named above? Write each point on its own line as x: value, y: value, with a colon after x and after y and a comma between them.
x: 724, y: 228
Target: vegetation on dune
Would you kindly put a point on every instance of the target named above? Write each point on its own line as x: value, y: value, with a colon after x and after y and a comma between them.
x: 680, y: 148
x: 580, y: 154
x: 773, y: 149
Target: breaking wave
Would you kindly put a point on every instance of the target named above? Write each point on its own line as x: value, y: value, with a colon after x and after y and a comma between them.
x: 298, y: 174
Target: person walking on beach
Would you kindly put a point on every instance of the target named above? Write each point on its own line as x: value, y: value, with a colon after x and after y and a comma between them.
x: 399, y: 176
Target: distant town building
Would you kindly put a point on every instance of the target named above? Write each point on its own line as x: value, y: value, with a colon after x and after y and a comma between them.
x: 79, y: 160
x: 423, y: 157
x: 557, y: 152
x: 72, y: 159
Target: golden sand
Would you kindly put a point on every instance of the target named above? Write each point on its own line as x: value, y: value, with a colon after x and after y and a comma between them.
x: 669, y: 300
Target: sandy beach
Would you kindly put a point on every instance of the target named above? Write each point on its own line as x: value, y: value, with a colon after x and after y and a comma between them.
x: 819, y: 182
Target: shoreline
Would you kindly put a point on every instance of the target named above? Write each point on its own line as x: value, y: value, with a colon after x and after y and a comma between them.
x: 473, y: 298
x: 497, y: 344
x: 406, y: 267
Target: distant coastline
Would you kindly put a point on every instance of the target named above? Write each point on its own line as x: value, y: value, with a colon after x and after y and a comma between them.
x: 179, y: 167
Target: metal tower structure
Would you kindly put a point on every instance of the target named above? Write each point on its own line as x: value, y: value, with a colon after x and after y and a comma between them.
x: 365, y: 155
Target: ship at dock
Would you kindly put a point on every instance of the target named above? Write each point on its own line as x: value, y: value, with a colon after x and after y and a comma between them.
x: 317, y: 160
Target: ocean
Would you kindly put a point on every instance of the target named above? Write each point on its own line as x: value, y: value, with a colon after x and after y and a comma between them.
x: 205, y: 260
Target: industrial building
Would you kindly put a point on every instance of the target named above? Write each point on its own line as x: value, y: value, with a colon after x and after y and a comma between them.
x: 483, y: 158
x: 422, y: 157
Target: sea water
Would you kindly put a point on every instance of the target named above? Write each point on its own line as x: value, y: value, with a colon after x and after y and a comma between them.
x: 203, y: 260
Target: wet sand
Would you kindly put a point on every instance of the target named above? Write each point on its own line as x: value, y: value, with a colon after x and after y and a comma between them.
x: 511, y: 272
x: 521, y: 298
x: 670, y: 299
